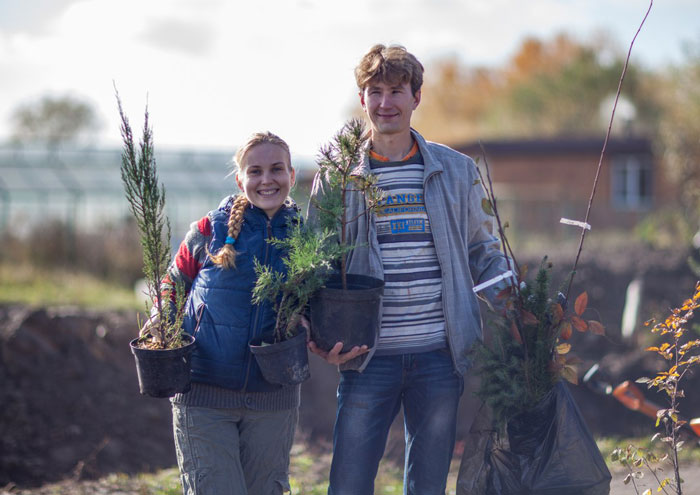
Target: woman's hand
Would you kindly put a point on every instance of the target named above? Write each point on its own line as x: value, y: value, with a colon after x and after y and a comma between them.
x: 152, y: 322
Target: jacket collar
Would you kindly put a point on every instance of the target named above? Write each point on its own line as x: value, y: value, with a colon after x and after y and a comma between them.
x: 432, y: 165
x: 289, y: 210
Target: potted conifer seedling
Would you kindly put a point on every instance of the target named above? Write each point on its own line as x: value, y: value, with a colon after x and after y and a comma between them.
x: 281, y: 354
x: 162, y: 352
x: 347, y: 308
x: 549, y: 448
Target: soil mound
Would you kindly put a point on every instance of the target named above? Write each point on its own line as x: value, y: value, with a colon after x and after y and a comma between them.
x: 70, y: 399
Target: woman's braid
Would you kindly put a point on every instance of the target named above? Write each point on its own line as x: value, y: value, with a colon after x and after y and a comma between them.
x: 226, y: 256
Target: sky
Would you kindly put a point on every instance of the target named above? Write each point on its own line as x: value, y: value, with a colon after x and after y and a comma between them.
x: 215, y: 71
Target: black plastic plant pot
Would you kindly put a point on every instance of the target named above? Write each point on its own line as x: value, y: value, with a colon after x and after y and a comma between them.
x: 163, y: 373
x: 282, y: 363
x: 349, y: 316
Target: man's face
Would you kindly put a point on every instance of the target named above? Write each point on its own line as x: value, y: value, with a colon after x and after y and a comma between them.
x: 389, y: 106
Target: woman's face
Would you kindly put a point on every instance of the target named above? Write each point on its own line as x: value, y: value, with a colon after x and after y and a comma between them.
x: 266, y: 176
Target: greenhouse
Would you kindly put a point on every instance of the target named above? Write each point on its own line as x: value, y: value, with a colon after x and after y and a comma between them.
x: 83, y: 187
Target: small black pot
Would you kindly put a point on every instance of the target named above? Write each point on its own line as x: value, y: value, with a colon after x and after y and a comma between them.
x: 349, y: 316
x: 163, y: 373
x: 282, y: 363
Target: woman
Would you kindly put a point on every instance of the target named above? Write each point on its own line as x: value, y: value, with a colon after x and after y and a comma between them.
x: 233, y: 430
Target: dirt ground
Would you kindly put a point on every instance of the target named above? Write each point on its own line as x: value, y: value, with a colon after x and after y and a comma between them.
x: 71, y: 409
x: 71, y: 406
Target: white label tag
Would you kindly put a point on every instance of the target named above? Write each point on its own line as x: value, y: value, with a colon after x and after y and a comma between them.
x: 494, y: 280
x: 576, y: 223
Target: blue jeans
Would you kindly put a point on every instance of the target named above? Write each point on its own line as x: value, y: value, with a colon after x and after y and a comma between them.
x: 429, y: 389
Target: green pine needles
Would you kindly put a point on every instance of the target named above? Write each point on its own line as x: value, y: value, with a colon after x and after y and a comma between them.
x: 337, y: 163
x: 310, y: 259
x: 146, y: 199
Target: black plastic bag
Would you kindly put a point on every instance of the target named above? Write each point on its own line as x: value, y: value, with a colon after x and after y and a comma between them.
x: 475, y: 466
x: 551, y: 452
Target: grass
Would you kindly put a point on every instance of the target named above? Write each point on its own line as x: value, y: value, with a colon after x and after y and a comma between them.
x: 308, y: 475
x: 166, y: 482
x: 309, y: 470
x: 58, y: 287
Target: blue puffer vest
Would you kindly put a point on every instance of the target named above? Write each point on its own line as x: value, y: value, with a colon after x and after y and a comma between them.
x: 229, y: 320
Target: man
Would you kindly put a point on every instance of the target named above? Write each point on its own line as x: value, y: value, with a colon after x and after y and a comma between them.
x: 432, y: 243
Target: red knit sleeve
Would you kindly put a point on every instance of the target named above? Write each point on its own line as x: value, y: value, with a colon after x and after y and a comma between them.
x: 190, y: 256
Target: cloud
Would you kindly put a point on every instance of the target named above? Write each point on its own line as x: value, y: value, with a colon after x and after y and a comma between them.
x: 188, y: 37
x: 31, y: 16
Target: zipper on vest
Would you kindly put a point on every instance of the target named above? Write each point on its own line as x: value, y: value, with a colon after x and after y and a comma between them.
x: 256, y: 320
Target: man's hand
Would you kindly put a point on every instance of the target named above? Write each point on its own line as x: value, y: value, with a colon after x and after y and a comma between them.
x: 334, y: 356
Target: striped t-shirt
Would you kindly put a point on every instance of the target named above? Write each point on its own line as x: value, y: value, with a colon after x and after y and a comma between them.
x: 412, y: 317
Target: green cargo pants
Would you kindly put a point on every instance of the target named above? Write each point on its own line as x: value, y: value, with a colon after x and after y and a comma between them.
x: 233, y: 451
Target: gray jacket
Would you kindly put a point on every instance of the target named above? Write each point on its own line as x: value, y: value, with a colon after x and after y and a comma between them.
x: 467, y: 250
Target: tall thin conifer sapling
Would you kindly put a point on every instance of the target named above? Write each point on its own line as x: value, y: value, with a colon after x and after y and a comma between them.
x: 146, y: 199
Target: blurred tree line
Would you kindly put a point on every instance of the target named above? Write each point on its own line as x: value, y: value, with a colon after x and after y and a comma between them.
x: 566, y: 87
x: 54, y: 120
x: 554, y: 87
x: 679, y: 131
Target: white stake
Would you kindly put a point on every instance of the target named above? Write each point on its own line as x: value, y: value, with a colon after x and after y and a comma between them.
x: 576, y: 223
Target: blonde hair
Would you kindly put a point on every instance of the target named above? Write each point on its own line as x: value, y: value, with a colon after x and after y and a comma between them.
x: 226, y: 255
x: 391, y: 65
x: 255, y: 139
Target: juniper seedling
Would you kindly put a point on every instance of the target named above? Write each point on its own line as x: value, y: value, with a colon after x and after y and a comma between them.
x: 309, y: 261
x: 146, y: 199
